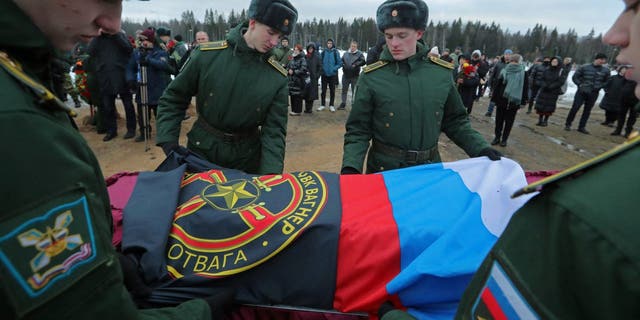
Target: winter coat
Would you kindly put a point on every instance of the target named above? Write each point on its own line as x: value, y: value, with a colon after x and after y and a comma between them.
x: 467, y: 88
x: 314, y: 65
x: 550, y: 81
x: 406, y: 104
x: 300, y: 76
x: 498, y: 93
x: 110, y: 55
x: 535, y: 74
x: 613, y: 94
x: 482, y: 68
x: 351, y: 63
x: 629, y: 98
x: 239, y: 91
x: 590, y: 77
x: 374, y: 52
x: 157, y: 70
x: 331, y: 62
x: 495, y: 75
x: 283, y: 55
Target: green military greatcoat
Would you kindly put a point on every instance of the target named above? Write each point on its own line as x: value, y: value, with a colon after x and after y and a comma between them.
x: 238, y: 91
x: 406, y: 105
x: 56, y: 258
x: 572, y: 252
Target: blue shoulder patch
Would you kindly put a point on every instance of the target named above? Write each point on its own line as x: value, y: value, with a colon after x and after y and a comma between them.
x: 48, y: 247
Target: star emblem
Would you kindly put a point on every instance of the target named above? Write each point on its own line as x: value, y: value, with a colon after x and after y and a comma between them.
x: 231, y: 193
x: 286, y: 22
x: 394, y: 13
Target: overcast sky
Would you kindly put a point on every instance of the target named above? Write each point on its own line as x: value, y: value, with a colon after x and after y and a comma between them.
x: 516, y: 15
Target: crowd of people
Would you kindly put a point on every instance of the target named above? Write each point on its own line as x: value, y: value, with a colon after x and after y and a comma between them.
x: 570, y: 252
x: 111, y: 67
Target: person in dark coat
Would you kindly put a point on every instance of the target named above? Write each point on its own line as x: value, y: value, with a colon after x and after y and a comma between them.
x: 549, y: 82
x: 509, y: 94
x: 298, y: 78
x: 628, y: 103
x: 157, y: 62
x: 314, y: 65
x: 110, y: 54
x: 373, y: 54
x: 492, y: 82
x: 589, y: 78
x: 478, y: 60
x: 534, y: 75
x: 468, y: 81
x: 612, y: 100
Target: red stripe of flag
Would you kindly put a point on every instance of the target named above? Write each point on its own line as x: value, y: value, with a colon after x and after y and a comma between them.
x: 369, y: 246
x: 492, y: 304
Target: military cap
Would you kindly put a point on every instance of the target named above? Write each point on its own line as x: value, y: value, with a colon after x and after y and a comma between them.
x: 277, y: 14
x: 163, y: 32
x: 402, y: 14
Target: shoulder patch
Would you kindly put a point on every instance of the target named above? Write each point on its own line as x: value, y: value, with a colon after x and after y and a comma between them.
x: 46, y: 248
x: 442, y: 63
x: 14, y: 69
x: 375, y: 66
x: 214, y: 45
x: 633, y: 142
x: 274, y: 63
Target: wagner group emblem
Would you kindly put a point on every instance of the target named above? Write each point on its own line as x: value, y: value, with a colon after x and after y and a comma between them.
x: 49, y: 246
x: 226, y: 225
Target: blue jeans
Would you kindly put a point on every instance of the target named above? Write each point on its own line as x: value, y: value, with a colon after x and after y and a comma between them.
x: 490, y: 107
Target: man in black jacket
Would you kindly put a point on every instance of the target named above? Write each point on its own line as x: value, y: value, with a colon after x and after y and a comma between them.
x: 111, y: 53
x: 589, y: 78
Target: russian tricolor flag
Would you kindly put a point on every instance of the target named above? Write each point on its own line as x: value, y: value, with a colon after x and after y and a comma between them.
x: 425, y: 231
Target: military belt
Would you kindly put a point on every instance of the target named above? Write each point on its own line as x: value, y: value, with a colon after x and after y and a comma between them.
x: 409, y: 156
x: 228, y: 136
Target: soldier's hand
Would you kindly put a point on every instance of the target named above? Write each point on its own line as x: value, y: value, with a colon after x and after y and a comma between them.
x: 170, y: 146
x: 490, y: 153
x: 221, y: 302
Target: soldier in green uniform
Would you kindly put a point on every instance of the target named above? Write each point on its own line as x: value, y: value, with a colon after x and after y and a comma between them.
x: 56, y: 258
x: 283, y: 52
x: 241, y: 95
x: 405, y: 100
x: 573, y: 251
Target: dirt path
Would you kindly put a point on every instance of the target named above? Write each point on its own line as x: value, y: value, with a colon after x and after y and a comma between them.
x: 314, y: 142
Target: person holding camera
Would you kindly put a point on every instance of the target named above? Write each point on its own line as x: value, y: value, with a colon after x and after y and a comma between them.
x: 156, y: 60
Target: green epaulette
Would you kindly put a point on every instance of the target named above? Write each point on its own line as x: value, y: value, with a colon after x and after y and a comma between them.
x: 632, y: 142
x: 442, y: 63
x: 47, y: 98
x: 214, y: 45
x: 375, y: 66
x: 274, y: 63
